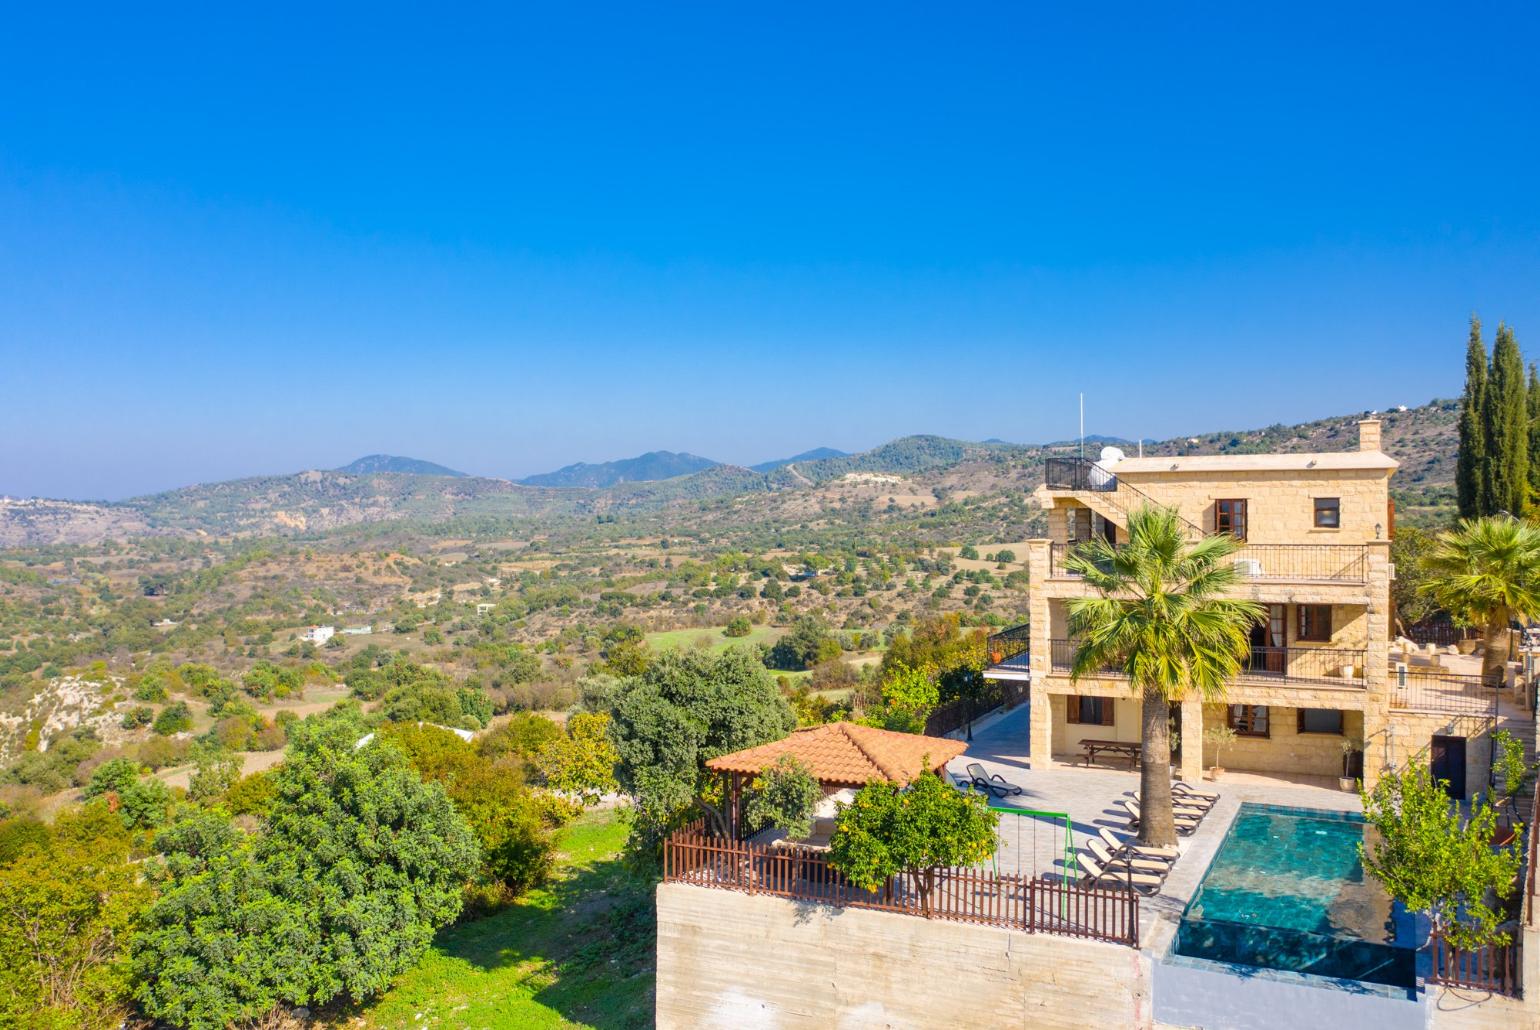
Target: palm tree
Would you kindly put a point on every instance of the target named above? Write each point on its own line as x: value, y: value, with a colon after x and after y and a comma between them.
x: 1486, y: 572
x: 1161, y: 617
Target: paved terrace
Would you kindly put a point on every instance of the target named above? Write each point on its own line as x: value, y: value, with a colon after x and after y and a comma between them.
x: 1090, y: 796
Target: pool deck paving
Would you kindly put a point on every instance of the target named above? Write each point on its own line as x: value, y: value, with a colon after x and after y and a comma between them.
x: 1090, y: 798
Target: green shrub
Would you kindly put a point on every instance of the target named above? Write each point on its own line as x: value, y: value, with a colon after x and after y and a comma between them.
x: 174, y: 718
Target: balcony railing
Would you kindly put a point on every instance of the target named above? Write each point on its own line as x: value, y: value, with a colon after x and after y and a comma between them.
x: 1318, y: 563
x: 1329, y: 665
x: 1010, y: 646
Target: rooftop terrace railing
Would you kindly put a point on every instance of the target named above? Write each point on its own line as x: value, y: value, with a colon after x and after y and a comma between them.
x: 1423, y: 690
x: 1301, y: 563
x: 977, y: 896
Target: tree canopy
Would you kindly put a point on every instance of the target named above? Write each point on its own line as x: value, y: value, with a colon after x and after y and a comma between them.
x: 688, y: 707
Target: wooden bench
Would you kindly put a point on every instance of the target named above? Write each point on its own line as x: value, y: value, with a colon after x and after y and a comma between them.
x: 1124, y: 748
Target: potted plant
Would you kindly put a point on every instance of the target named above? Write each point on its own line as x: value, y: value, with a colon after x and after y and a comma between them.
x: 1350, y: 749
x: 1219, y: 737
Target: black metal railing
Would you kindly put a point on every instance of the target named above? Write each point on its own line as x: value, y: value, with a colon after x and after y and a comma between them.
x: 1426, y: 690
x: 1334, y: 665
x: 1332, y: 563
x: 1330, y: 665
x: 1077, y: 474
x: 1061, y: 654
x: 1319, y: 563
x: 1010, y: 645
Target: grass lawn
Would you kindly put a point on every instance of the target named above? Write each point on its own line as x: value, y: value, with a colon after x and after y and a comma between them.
x: 685, y: 639
x: 576, y: 953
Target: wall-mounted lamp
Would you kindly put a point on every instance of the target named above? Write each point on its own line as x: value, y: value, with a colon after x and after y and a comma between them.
x: 1378, y: 529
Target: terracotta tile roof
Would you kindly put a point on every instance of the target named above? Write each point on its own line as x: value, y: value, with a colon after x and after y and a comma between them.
x: 847, y: 754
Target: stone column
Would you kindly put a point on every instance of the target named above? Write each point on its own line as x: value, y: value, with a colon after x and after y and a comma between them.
x: 1192, y: 740
x: 1377, y: 683
x: 1040, y: 747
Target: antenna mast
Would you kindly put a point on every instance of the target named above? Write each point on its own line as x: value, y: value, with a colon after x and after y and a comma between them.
x: 1082, y: 427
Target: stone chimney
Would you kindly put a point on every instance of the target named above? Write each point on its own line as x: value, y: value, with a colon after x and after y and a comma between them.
x: 1369, y: 434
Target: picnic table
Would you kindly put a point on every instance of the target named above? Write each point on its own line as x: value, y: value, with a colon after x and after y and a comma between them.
x: 1124, y: 748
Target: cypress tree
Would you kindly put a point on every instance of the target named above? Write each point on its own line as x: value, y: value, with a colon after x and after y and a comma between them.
x: 1468, y: 474
x: 1506, y: 423
x: 1532, y: 395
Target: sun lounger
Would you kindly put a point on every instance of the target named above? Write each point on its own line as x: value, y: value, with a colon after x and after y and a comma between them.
x: 1107, y: 858
x: 991, y: 784
x: 1195, y: 809
x: 1095, y: 874
x: 1118, y: 846
x: 1183, y: 787
x: 1184, y: 824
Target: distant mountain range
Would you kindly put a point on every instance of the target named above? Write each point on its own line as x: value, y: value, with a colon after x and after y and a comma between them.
x: 385, y: 488
x: 644, y: 468
x: 816, y: 454
x: 654, y: 466
x: 372, y: 463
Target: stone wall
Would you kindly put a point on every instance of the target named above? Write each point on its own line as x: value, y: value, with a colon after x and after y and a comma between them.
x: 1285, y: 749
x: 727, y: 959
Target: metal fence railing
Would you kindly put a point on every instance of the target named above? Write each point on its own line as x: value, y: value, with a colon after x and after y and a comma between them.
x: 978, y: 896
x: 1009, y: 644
x: 1420, y: 690
x: 1302, y: 563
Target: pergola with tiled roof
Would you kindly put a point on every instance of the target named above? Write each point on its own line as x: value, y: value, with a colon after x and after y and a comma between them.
x: 843, y: 754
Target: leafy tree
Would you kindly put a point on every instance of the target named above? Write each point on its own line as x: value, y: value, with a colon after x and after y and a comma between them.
x: 1485, y: 572
x: 689, y: 707
x: 137, y: 715
x: 739, y: 626
x: 783, y: 796
x: 67, y: 911
x: 519, y: 740
x: 941, y: 644
x: 19, y: 833
x: 174, y: 718
x: 581, y: 762
x: 1160, y: 615
x: 807, y: 643
x: 215, y: 771
x: 1510, y: 769
x: 141, y: 802
x: 909, y: 696
x: 1472, y: 454
x: 357, y: 864
x: 1505, y: 480
x: 968, y: 551
x: 888, y: 830
x: 1408, y: 550
x: 1432, y: 860
x: 511, y: 825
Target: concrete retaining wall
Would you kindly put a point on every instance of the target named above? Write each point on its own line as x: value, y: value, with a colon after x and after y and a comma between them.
x: 737, y: 960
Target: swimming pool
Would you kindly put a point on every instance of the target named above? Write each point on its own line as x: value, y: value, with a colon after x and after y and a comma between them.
x: 1286, y: 891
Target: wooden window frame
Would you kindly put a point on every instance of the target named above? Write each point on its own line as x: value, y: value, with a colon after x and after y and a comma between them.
x: 1299, y: 725
x: 1244, y: 720
x: 1328, y: 504
x: 1104, y: 710
x: 1302, y: 624
x: 1229, y: 516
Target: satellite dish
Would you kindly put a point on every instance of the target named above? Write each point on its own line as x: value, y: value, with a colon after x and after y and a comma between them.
x: 1111, y: 456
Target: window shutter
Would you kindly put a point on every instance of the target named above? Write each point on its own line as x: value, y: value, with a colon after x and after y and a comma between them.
x: 1299, y: 720
x: 1106, y: 705
x: 1072, y: 709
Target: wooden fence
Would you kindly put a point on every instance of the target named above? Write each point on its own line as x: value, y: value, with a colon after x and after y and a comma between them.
x: 1494, y: 967
x: 959, y: 895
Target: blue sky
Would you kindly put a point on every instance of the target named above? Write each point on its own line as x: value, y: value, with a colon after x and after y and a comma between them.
x: 507, y: 240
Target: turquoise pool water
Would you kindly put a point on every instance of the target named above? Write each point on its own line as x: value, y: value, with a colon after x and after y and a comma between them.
x: 1286, y: 891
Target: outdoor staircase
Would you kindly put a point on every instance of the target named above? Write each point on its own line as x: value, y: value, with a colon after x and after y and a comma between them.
x: 1102, y: 492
